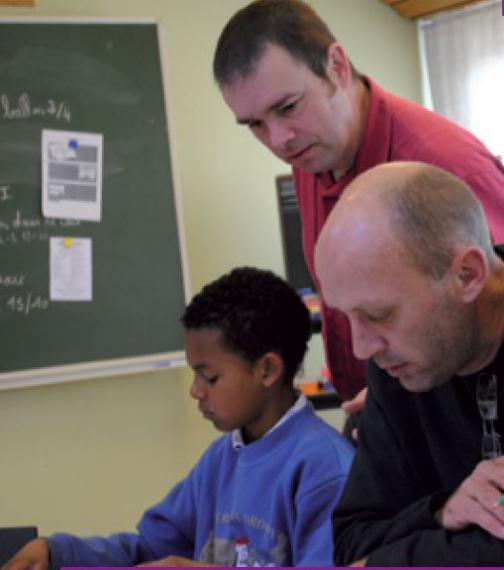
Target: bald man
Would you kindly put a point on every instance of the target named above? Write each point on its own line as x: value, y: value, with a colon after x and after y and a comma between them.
x: 424, y: 293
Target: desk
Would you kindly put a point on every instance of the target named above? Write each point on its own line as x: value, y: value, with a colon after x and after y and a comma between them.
x: 14, y: 538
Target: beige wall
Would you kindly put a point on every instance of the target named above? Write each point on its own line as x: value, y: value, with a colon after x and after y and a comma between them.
x: 90, y: 456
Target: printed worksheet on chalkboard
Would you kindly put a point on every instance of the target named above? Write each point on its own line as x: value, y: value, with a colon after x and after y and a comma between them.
x: 72, y: 175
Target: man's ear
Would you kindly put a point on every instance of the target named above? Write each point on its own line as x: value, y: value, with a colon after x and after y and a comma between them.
x: 337, y: 66
x: 270, y: 368
x: 471, y: 271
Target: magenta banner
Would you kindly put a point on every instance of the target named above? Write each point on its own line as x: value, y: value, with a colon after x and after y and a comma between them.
x: 306, y: 568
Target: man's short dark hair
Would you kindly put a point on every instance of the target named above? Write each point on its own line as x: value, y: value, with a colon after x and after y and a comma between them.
x: 256, y: 312
x: 290, y: 24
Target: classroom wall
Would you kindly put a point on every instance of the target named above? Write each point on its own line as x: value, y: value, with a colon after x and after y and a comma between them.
x: 88, y: 457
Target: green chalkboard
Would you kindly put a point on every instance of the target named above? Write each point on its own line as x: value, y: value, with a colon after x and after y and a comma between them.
x: 98, y: 77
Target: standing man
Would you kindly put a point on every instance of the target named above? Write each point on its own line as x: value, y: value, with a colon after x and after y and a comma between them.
x: 424, y: 293
x: 284, y: 75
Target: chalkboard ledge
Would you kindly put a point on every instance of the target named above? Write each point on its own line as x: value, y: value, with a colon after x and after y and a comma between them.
x: 89, y: 370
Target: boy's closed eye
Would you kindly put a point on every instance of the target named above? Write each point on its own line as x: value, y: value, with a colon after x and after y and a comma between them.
x: 209, y: 379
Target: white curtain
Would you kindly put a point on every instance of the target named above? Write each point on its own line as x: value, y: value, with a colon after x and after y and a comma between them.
x: 463, y: 65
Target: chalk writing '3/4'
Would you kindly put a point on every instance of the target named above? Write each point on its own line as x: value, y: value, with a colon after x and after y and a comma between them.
x: 23, y: 109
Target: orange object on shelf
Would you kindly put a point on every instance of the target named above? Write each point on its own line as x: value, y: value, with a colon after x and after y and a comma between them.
x: 309, y: 388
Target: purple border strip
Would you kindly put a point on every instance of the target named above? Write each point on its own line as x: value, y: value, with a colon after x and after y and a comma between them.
x: 223, y: 567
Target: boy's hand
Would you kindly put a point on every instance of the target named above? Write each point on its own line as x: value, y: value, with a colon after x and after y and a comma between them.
x: 174, y: 561
x: 33, y: 556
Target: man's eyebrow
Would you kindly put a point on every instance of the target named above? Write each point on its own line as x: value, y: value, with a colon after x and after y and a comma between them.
x: 245, y: 121
x: 371, y: 307
x: 279, y: 103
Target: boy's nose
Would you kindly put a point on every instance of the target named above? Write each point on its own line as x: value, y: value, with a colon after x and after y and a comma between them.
x: 196, y: 390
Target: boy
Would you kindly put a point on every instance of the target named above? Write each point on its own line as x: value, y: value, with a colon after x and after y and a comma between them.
x: 261, y: 495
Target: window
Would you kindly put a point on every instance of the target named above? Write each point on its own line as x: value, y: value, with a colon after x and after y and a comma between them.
x: 463, y: 67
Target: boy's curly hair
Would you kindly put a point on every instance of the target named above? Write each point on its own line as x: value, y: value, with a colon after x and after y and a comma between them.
x: 257, y: 312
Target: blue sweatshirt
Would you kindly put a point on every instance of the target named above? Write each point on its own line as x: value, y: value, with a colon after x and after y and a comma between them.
x: 266, y: 504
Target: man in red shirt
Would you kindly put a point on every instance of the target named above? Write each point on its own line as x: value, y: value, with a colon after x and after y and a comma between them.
x: 284, y: 75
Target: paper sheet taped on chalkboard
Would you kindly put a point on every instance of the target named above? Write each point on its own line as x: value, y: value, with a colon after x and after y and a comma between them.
x: 72, y: 175
x: 71, y: 269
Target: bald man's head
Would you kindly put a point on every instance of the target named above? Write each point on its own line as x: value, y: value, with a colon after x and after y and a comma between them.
x: 425, y: 210
x: 405, y: 254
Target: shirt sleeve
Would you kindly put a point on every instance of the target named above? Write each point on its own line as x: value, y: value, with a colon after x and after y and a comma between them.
x: 311, y: 540
x: 385, y: 515
x: 441, y: 547
x: 122, y: 549
x: 165, y: 529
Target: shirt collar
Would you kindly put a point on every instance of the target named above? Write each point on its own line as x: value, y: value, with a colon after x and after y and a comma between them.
x: 301, y: 402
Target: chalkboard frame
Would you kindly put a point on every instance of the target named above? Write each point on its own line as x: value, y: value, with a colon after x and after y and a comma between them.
x: 116, y: 366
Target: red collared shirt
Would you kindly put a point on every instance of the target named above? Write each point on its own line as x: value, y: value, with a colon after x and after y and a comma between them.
x: 396, y: 130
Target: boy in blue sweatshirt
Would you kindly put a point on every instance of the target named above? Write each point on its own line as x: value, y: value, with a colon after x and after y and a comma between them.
x: 263, y: 493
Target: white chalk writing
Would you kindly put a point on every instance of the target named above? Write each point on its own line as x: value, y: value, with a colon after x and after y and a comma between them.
x: 5, y: 193
x: 23, y: 109
x: 27, y: 229
x: 25, y: 304
x: 12, y: 280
